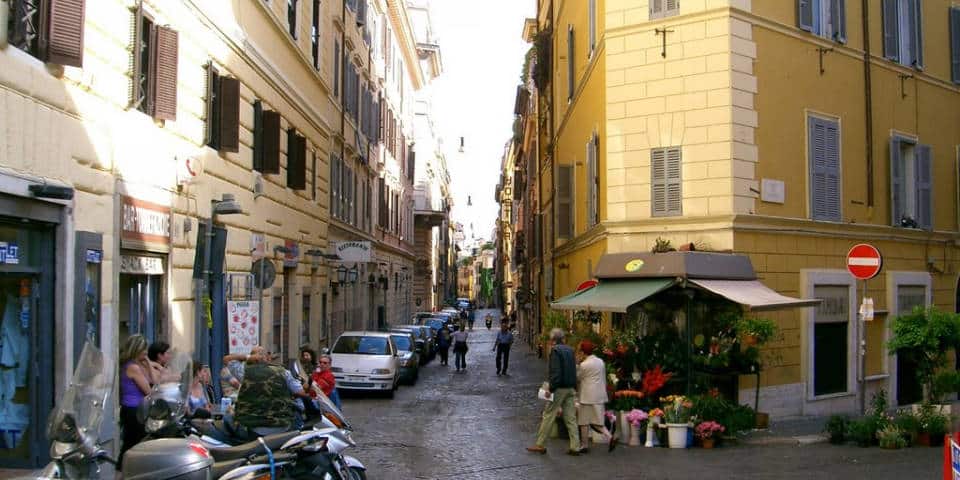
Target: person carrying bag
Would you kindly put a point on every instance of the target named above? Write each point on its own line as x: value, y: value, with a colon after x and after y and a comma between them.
x: 460, y: 349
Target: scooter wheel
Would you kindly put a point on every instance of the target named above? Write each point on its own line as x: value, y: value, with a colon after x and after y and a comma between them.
x: 358, y: 473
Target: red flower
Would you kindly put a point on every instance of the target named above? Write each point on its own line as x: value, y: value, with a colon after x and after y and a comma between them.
x: 654, y: 380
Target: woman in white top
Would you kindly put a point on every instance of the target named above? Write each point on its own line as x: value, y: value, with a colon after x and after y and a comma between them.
x: 592, y: 391
x: 460, y: 349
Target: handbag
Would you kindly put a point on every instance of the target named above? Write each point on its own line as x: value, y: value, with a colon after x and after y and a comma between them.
x: 543, y: 393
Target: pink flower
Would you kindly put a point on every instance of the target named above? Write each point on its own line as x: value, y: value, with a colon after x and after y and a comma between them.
x: 636, y: 417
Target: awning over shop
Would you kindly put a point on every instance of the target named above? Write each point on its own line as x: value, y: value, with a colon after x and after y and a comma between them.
x: 613, y: 295
x: 753, y: 294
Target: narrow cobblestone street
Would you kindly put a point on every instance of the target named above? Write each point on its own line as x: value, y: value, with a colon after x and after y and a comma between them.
x: 475, y: 425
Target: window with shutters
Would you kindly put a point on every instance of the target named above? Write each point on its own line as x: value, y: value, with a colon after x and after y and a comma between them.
x: 292, y: 17
x: 911, y: 187
x: 313, y: 175
x: 592, y: 25
x: 223, y: 111
x: 336, y: 68
x: 51, y: 31
x: 666, y: 184
x: 296, y: 160
x: 825, y: 18
x: 315, y: 35
x: 571, y: 70
x: 955, y: 44
x: 352, y: 5
x: 593, y: 182
x: 664, y: 8
x: 823, y: 158
x: 334, y: 186
x: 155, y: 54
x: 565, y: 211
x: 903, y: 32
x: 266, y: 148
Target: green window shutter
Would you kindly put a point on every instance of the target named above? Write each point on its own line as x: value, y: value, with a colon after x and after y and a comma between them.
x: 824, y: 159
x: 838, y: 20
x: 955, y: 44
x: 896, y: 183
x: 891, y: 30
x: 564, y: 201
x: 924, y: 187
x: 805, y: 15
x: 296, y: 160
x: 258, y: 135
x: 589, y: 156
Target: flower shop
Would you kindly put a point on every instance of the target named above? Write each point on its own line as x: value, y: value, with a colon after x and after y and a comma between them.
x: 685, y: 327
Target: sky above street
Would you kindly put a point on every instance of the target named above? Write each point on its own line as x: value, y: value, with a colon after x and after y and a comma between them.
x: 482, y: 48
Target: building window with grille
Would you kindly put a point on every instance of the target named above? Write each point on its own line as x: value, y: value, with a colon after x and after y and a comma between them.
x: 824, y: 18
x: 664, y: 8
x: 155, y: 54
x: 51, y: 31
x: 911, y: 187
x: 823, y: 157
x: 903, y: 32
x: 666, y: 183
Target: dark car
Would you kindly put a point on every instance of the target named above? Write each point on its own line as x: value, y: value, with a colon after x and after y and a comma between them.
x: 429, y: 340
x: 409, y: 357
x: 420, y: 343
x: 435, y: 324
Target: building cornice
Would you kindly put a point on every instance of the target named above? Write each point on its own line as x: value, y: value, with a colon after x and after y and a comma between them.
x: 403, y: 28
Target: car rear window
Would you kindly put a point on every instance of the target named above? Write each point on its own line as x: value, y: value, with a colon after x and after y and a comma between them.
x: 435, y: 324
x: 362, y: 345
x: 402, y: 342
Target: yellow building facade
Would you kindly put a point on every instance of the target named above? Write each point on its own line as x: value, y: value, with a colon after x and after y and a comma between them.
x: 771, y: 129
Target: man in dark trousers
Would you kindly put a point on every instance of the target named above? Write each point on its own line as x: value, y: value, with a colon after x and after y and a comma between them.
x: 502, y: 346
x: 561, y: 395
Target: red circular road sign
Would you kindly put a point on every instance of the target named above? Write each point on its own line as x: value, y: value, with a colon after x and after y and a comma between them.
x: 864, y: 261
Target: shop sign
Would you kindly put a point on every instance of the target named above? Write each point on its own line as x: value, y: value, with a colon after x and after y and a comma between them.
x: 292, y: 257
x: 243, y: 325
x: 9, y: 253
x: 94, y: 256
x: 144, y: 225
x: 352, y: 252
x: 258, y: 245
x: 138, y: 265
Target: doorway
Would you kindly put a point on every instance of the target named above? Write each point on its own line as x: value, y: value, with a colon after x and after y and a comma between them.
x: 909, y: 390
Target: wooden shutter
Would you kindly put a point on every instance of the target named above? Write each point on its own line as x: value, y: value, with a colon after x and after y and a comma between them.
x: 296, y: 160
x: 824, y: 153
x: 336, y: 68
x: 656, y: 8
x: 891, y: 30
x: 838, y: 20
x: 658, y: 182
x: 165, y: 79
x: 924, y: 187
x: 918, y: 33
x: 271, y: 142
x: 313, y: 175
x: 896, y: 182
x: 332, y: 180
x: 592, y: 21
x: 66, y: 32
x: 570, y: 66
x: 565, y: 201
x: 805, y: 15
x: 229, y: 101
x: 258, y: 135
x: 674, y: 182
x: 955, y: 44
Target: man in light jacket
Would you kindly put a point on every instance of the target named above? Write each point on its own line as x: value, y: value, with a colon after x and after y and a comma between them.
x: 592, y: 388
x: 562, y: 393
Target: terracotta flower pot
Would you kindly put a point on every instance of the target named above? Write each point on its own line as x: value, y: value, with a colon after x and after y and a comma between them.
x: 707, y: 442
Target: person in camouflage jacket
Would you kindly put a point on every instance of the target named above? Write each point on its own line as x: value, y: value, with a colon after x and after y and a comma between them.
x: 266, y: 397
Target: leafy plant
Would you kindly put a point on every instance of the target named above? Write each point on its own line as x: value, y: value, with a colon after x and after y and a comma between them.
x: 932, y: 421
x: 837, y: 427
x: 863, y: 431
x: 891, y: 437
x: 763, y: 329
x: 878, y: 403
x: 908, y: 423
x: 662, y: 245
x: 945, y: 383
x: 924, y: 336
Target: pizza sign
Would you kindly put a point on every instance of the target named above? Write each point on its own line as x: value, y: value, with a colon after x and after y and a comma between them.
x: 243, y: 325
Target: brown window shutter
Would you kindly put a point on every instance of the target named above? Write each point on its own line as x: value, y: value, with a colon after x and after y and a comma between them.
x: 165, y: 80
x: 229, y: 99
x: 66, y: 32
x: 271, y: 142
x: 296, y: 160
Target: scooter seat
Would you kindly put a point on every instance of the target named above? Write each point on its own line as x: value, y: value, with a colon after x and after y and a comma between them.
x: 220, y: 469
x: 274, y: 442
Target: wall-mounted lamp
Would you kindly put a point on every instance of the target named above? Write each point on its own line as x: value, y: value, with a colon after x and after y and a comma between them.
x: 372, y: 280
x: 342, y: 274
x: 315, y: 256
x: 45, y: 190
x: 353, y: 273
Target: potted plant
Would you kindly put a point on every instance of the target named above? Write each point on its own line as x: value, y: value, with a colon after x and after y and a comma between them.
x: 862, y: 432
x: 706, y: 432
x: 654, y: 418
x: 891, y: 437
x: 836, y: 427
x: 925, y: 336
x: 637, y: 419
x: 909, y: 425
x: 756, y: 330
x: 676, y: 410
x: 933, y: 426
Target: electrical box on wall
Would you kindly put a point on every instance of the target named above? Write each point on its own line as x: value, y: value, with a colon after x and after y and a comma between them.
x: 257, y: 185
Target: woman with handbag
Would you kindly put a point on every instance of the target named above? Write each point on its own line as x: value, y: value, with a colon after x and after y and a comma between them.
x: 460, y: 349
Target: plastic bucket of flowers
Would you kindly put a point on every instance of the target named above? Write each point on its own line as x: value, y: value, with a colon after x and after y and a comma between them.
x: 676, y: 410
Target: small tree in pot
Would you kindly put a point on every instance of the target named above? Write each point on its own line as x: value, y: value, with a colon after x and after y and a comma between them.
x: 925, y: 336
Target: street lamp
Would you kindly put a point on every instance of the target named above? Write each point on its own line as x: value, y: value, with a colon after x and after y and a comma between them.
x: 354, y: 273
x: 342, y: 274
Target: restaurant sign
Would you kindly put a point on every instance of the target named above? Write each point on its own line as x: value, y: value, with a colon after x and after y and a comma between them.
x: 144, y: 225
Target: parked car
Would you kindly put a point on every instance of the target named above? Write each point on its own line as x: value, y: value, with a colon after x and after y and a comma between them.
x: 435, y: 323
x: 420, y: 344
x: 431, y: 339
x: 416, y: 317
x: 366, y: 361
x: 409, y: 357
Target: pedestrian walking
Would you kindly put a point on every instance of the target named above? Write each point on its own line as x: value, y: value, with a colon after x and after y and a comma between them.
x: 561, y: 393
x: 460, y: 349
x: 502, y: 346
x: 471, y: 317
x: 592, y: 394
x: 443, y: 342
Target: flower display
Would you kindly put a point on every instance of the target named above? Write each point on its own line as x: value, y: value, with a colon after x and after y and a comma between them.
x: 636, y: 417
x: 706, y: 430
x: 656, y: 412
x: 676, y: 408
x: 654, y: 380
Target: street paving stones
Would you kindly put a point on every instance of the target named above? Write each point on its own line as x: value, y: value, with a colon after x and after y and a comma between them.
x: 476, y: 425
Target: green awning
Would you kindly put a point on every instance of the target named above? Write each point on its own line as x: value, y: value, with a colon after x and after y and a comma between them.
x: 613, y: 295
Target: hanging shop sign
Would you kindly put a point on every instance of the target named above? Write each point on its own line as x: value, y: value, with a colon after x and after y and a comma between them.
x: 144, y: 225
x: 292, y: 257
x: 243, y: 325
x: 352, y: 252
x: 138, y: 265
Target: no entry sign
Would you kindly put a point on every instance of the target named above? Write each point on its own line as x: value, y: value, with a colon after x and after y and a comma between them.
x: 864, y: 261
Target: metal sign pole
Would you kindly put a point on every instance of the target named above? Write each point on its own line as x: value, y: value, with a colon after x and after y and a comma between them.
x: 862, y: 349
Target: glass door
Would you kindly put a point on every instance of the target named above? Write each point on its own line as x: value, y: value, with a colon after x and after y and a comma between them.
x: 17, y: 387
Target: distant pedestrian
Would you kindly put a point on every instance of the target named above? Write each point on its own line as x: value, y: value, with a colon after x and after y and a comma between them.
x: 460, y: 349
x: 562, y: 390
x: 502, y: 346
x: 471, y: 317
x: 443, y: 342
x: 592, y: 391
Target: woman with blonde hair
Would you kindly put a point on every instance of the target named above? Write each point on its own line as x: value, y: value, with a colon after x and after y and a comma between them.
x: 135, y: 381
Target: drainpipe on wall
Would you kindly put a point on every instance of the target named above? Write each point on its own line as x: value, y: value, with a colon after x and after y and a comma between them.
x: 868, y: 102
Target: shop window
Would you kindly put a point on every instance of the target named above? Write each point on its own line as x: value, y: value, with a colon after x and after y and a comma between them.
x: 831, y: 340
x: 51, y: 31
x: 155, y: 56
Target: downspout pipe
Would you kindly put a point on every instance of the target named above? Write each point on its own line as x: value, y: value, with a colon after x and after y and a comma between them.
x: 868, y: 100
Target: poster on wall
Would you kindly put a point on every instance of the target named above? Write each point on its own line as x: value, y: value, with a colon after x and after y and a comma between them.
x: 243, y: 325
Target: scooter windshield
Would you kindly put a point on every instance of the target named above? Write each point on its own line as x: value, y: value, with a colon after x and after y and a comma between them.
x: 332, y: 412
x: 80, y: 411
x: 173, y: 386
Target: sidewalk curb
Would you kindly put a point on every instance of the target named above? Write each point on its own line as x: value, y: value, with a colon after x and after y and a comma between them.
x: 799, y: 440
